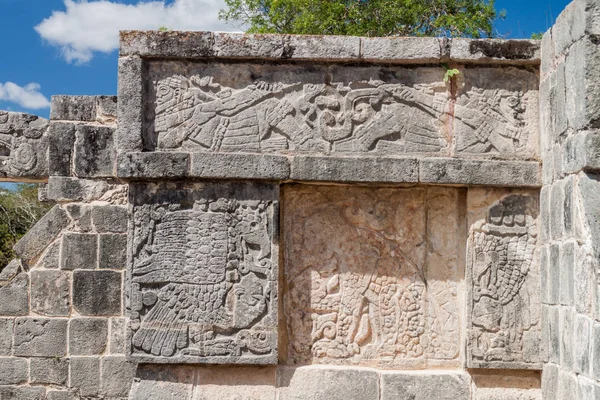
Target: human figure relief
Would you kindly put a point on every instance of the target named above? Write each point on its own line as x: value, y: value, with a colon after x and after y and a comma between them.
x: 504, y: 246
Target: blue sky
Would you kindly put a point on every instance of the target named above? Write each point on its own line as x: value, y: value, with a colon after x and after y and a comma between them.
x: 51, y: 47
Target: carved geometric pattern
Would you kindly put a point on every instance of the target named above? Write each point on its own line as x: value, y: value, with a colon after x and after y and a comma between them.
x: 203, y: 282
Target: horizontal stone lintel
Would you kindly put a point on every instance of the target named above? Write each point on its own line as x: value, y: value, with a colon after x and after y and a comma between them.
x: 216, y: 360
x: 504, y: 365
x: 400, y: 50
x: 315, y: 168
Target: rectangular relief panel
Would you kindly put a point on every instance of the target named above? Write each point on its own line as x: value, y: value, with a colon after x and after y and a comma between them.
x: 503, y: 280
x: 203, y: 273
x: 373, y: 276
x: 337, y: 109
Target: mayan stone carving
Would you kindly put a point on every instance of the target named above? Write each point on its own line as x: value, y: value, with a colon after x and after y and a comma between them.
x: 203, y: 278
x: 23, y: 145
x: 286, y: 108
x: 372, y: 275
x: 503, y: 280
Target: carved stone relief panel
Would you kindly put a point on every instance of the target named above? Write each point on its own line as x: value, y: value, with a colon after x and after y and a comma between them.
x: 373, y: 275
x: 289, y: 108
x: 23, y: 145
x: 203, y: 273
x: 503, y: 282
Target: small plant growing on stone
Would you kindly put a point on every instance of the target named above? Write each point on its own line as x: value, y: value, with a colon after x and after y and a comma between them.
x: 164, y: 29
x: 450, y: 72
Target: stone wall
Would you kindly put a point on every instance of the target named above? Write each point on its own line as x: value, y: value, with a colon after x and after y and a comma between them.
x: 286, y: 217
x: 569, y: 106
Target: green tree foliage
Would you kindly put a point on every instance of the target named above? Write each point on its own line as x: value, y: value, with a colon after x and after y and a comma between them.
x: 19, y: 211
x: 471, y: 18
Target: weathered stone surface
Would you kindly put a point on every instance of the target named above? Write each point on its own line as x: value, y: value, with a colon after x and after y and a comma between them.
x: 595, y: 350
x: 40, y: 337
x: 14, y: 296
x: 401, y: 49
x: 73, y: 108
x: 54, y: 371
x: 79, y: 251
x: 567, y: 269
x: 97, y: 293
x: 22, y: 392
x: 61, y: 139
x: 492, y: 51
x: 328, y: 47
x: 442, y: 386
x: 106, y: 108
x: 85, y: 375
x: 360, y: 289
x: 239, y: 45
x: 13, y: 371
x: 113, y: 251
x: 554, y: 274
x: 12, y: 269
x: 73, y: 189
x: 582, y: 350
x: 155, y: 382
x: 503, y: 288
x: 555, y: 338
x: 94, y: 152
x: 222, y: 274
x: 111, y: 219
x: 256, y: 383
x: 6, y: 334
x: 507, y: 394
x: 117, y: 376
x: 51, y: 257
x: 240, y: 166
x: 153, y: 165
x: 117, y: 340
x: 549, y: 381
x: 192, y: 44
x: 566, y: 338
x: 61, y: 395
x: 327, y: 383
x: 355, y: 169
x: 50, y: 293
x: 42, y: 234
x: 130, y: 102
x: 87, y: 336
x: 476, y: 172
x: 82, y: 216
x: 23, y: 146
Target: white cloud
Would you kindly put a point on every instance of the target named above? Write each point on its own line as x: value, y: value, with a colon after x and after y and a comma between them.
x: 28, y: 96
x: 86, y: 27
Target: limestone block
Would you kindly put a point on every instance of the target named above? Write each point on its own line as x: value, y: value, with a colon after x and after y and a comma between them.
x: 79, y: 251
x: 85, y: 375
x: 50, y: 293
x: 555, y: 338
x: 401, y: 49
x: 13, y: 371
x: 507, y: 394
x: 53, y: 371
x: 23, y: 146
x: 568, y: 207
x: 557, y: 200
x: 82, y: 216
x: 97, y: 293
x: 239, y: 166
x: 51, y: 257
x: 61, y: 139
x: 73, y: 108
x: 14, y: 296
x: 61, y: 395
x: 567, y: 270
x: 582, y: 348
x: 117, y: 338
x: 111, y: 219
x: 545, y: 214
x: 567, y: 386
x: 94, y: 153
x: 327, y: 47
x: 355, y: 169
x: 477, y: 172
x: 44, y: 232
x: 40, y: 337
x: 203, y: 277
x: 117, y: 376
x: 554, y: 269
x: 130, y: 102
x: 544, y: 274
x: 425, y: 386
x: 11, y: 270
x: 6, y: 336
x: 88, y: 336
x: 153, y: 165
x: 502, y: 279
x: 549, y: 382
x: 154, y: 382
x: 229, y: 383
x: 566, y: 337
x: 595, y: 350
x: 112, y: 251
x: 569, y: 26
x: 106, y: 109
x: 495, y: 51
x: 589, y: 187
x: 192, y: 44
x: 23, y: 392
x: 73, y: 189
x: 361, y: 289
x: 319, y: 382
x: 586, y: 388
x: 239, y: 45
